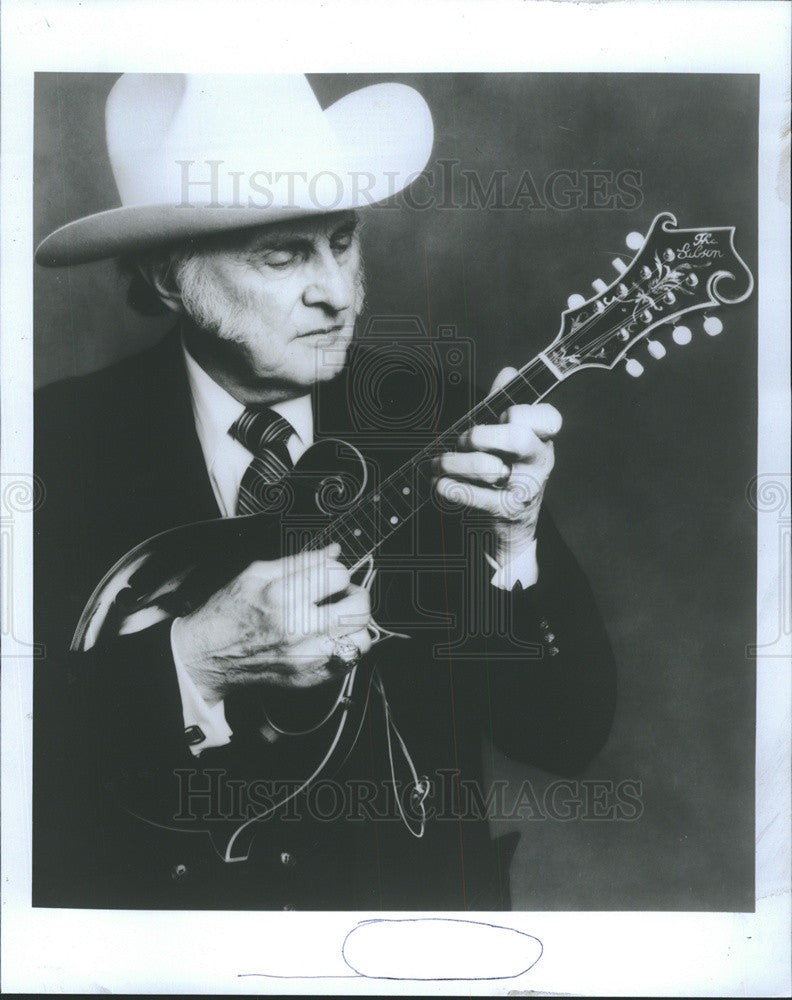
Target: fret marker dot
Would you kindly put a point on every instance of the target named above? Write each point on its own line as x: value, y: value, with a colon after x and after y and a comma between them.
x: 357, y: 532
x: 394, y: 520
x: 375, y: 498
x: 406, y: 490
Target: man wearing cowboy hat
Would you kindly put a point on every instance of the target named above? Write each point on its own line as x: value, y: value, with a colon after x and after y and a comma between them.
x: 239, y: 214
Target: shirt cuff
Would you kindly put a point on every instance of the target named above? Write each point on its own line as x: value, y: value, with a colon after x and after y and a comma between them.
x: 521, y: 568
x: 204, y: 725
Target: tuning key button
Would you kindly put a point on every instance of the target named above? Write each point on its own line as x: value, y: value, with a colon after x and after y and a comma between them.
x: 599, y: 285
x: 656, y: 349
x: 712, y: 326
x: 668, y: 255
x: 575, y: 301
x: 619, y: 264
x: 634, y: 368
x: 682, y: 335
x: 691, y: 281
x: 634, y: 241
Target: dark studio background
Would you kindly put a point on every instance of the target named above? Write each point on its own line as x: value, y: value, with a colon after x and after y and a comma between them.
x: 651, y: 474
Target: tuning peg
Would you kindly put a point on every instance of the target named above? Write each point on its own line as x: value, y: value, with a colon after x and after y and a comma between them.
x: 656, y: 349
x: 619, y: 264
x: 634, y: 368
x: 575, y: 301
x: 712, y: 326
x: 634, y: 241
x: 681, y: 335
x: 599, y: 285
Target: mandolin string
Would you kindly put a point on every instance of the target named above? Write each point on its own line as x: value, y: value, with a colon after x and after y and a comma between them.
x: 338, y: 529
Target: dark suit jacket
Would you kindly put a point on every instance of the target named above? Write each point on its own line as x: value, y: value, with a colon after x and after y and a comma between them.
x: 121, y: 806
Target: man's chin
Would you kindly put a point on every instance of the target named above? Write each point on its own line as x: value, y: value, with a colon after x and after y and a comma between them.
x: 329, y: 361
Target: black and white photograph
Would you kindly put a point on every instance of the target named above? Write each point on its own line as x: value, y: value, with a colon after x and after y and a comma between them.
x: 406, y: 516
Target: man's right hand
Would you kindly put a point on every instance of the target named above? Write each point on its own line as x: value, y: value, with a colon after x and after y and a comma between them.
x: 267, y: 626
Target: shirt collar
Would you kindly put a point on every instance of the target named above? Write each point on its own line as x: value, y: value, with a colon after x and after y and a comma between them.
x: 215, y: 410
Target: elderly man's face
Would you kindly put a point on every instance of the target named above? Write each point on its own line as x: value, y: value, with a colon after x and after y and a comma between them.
x: 276, y: 306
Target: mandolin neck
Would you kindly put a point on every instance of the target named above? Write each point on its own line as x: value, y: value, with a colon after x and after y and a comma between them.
x: 362, y: 528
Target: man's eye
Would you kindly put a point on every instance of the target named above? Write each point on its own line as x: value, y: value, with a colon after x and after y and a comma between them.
x: 279, y: 258
x: 342, y: 243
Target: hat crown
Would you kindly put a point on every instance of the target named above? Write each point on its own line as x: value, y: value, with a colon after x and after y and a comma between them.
x: 180, y: 138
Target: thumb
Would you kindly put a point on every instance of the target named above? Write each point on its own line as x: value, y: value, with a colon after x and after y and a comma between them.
x: 504, y: 376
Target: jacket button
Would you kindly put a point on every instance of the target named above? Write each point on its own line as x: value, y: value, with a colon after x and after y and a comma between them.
x: 178, y: 872
x: 287, y: 859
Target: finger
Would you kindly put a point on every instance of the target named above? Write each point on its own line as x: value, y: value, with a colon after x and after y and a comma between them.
x: 483, y: 498
x: 476, y: 466
x: 361, y: 638
x: 504, y: 376
x: 542, y: 418
x: 305, y: 586
x: 549, y: 422
x: 313, y: 656
x: 348, y: 614
x: 526, y: 483
x: 308, y: 651
x: 351, y: 611
x: 507, y: 505
x: 307, y: 661
x: 272, y: 569
x: 511, y: 440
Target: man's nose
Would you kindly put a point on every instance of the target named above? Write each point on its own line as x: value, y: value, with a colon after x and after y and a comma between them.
x: 330, y: 284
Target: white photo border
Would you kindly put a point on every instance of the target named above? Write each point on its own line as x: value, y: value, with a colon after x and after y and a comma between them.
x: 610, y: 953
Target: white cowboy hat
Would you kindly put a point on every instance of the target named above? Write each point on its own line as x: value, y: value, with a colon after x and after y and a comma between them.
x: 195, y: 154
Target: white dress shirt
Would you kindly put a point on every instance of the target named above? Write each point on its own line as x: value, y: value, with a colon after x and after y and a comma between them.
x: 215, y: 410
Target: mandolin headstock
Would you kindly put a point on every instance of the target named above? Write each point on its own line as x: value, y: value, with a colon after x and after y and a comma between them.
x: 674, y: 272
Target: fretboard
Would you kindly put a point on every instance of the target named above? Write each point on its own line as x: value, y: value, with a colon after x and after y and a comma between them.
x: 367, y: 523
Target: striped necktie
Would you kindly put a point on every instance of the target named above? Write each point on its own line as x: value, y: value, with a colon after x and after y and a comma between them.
x: 264, y: 433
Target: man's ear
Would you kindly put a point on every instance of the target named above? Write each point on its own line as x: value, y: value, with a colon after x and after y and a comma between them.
x: 159, y: 274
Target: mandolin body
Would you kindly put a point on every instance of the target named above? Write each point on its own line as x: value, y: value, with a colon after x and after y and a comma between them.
x: 178, y: 570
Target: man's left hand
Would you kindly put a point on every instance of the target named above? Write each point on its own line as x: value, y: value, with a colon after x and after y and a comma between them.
x: 501, y: 470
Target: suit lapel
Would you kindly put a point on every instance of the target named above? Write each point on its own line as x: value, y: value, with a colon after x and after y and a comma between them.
x: 171, y: 449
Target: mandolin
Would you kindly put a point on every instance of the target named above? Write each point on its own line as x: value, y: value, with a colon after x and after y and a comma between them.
x: 327, y: 497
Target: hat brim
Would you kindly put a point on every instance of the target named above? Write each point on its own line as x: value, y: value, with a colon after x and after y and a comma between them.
x: 385, y: 131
